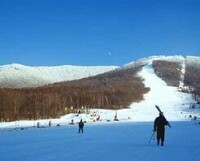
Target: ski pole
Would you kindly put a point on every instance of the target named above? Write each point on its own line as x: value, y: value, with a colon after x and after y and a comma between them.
x: 152, y: 136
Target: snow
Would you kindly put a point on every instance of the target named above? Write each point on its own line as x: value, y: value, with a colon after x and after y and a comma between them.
x: 104, y: 142
x: 147, y: 60
x: 168, y: 98
x: 106, y: 139
x: 181, y: 83
x: 17, y: 75
x: 193, y: 60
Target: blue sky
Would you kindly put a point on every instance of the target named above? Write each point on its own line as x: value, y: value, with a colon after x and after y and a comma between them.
x: 96, y: 32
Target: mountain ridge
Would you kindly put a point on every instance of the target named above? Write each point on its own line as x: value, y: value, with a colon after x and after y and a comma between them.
x: 20, y: 76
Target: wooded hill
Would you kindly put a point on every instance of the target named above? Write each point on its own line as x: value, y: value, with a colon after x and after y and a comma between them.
x: 170, y: 72
x: 113, y: 90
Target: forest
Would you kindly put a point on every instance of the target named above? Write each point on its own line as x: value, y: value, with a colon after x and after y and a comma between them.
x: 112, y: 90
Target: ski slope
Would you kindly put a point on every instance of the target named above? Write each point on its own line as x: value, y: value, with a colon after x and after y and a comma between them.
x: 172, y: 102
x: 102, y: 142
x: 108, y: 140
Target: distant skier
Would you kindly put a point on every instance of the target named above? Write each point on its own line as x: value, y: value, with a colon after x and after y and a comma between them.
x: 49, y: 123
x: 159, y: 126
x: 38, y: 125
x: 81, y: 125
x: 72, y: 122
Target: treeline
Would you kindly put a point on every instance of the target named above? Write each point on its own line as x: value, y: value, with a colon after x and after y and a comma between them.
x: 168, y: 71
x: 112, y: 90
x: 192, y: 75
x: 192, y: 78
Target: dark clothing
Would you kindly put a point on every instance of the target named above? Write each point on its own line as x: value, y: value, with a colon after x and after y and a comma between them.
x: 81, y: 125
x: 159, y: 126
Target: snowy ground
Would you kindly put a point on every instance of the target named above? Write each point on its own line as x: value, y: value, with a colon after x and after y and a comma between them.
x: 102, y: 142
x: 106, y: 140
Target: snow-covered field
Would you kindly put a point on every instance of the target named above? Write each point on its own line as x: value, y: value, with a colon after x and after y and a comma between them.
x: 105, y: 139
x: 103, y: 142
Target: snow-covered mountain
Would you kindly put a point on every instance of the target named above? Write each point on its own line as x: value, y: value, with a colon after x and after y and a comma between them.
x: 176, y: 58
x: 123, y: 134
x: 174, y: 103
x: 18, y: 76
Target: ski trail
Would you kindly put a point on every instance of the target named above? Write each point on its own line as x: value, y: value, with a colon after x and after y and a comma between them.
x: 181, y: 83
x: 168, y: 98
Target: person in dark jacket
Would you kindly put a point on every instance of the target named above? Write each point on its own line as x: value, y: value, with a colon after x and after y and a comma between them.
x: 159, y: 126
x: 81, y: 125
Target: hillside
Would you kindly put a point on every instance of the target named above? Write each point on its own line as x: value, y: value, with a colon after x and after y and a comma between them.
x: 112, y: 90
x: 128, y: 87
x: 180, y: 72
x: 192, y: 72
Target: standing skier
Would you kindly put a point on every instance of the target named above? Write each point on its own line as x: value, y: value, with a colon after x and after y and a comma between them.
x: 159, y: 126
x: 81, y: 125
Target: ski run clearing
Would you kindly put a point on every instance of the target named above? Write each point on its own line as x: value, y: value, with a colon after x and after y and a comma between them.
x: 105, y: 139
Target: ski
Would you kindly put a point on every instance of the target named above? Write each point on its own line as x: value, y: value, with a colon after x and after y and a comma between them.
x: 158, y: 108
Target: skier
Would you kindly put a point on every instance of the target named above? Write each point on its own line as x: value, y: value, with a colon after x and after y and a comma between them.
x: 49, y: 123
x: 72, y: 122
x: 81, y: 125
x: 159, y: 126
x: 38, y: 125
